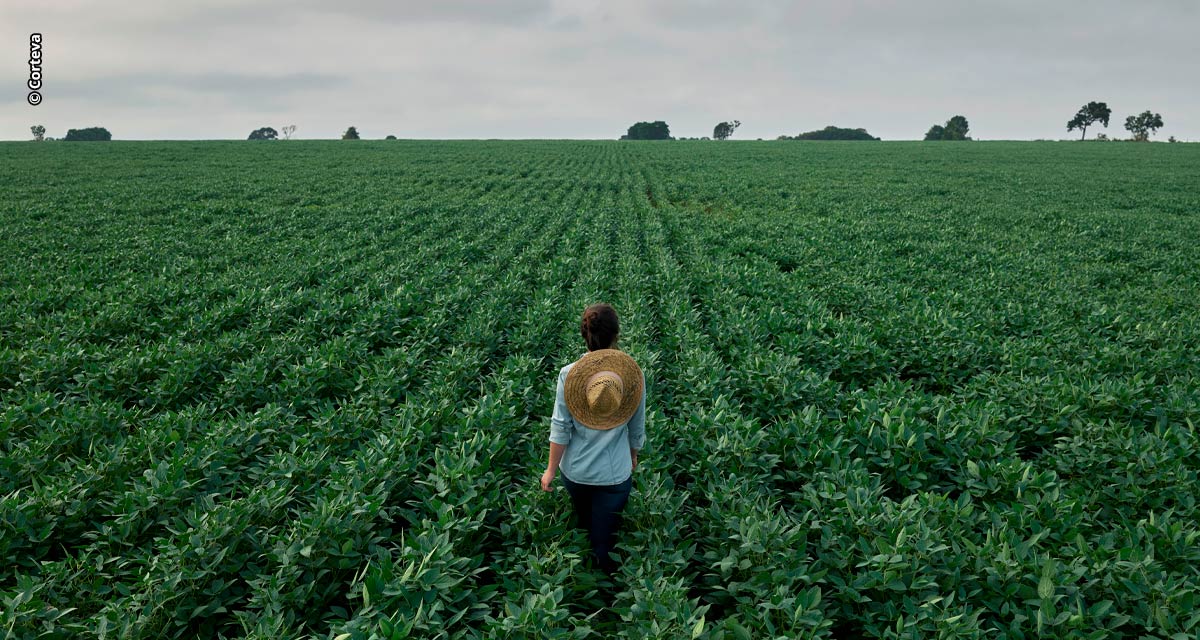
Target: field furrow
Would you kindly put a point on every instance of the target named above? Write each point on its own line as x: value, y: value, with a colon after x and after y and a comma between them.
x: 302, y: 389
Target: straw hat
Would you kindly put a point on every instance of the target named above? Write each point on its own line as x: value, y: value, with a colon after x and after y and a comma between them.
x: 603, y: 389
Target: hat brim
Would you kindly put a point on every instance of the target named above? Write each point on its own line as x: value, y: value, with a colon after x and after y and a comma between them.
x: 575, y: 388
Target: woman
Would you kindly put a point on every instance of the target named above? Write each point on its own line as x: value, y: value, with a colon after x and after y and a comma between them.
x: 598, y: 426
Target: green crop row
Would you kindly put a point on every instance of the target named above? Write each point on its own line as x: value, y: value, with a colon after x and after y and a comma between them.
x: 303, y: 390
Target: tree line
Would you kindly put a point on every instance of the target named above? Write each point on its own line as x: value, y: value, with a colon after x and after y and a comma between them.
x: 89, y: 134
x: 1141, y: 127
x: 269, y: 133
x: 101, y: 134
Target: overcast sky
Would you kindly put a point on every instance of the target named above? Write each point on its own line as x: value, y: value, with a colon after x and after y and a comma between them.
x: 1018, y: 69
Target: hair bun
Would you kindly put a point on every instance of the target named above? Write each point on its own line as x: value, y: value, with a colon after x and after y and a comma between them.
x: 599, y: 326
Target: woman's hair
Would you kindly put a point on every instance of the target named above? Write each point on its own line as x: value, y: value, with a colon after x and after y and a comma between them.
x: 599, y: 326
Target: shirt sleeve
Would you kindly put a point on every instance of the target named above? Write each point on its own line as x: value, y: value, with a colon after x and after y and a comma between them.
x: 560, y: 422
x: 637, y: 424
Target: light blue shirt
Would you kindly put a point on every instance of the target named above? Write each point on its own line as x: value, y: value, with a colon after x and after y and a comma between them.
x: 593, y: 456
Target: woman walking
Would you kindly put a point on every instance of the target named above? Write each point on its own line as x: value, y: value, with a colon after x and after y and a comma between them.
x: 598, y: 427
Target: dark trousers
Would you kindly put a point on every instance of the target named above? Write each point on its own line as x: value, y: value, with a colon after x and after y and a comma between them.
x: 598, y: 509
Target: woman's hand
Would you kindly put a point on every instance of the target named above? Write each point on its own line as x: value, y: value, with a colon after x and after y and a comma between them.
x: 633, y: 454
x: 547, y: 478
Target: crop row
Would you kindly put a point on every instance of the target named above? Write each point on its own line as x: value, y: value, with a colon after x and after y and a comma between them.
x: 305, y: 391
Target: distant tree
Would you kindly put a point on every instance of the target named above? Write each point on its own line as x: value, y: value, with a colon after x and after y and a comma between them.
x: 657, y: 130
x: 1172, y: 140
x: 265, y: 133
x: 287, y: 131
x: 833, y: 133
x: 956, y: 128
x: 724, y: 130
x: 1143, y: 125
x: 39, y: 132
x: 1101, y: 137
x: 1089, y: 114
x: 89, y: 134
x: 351, y: 134
x: 390, y: 137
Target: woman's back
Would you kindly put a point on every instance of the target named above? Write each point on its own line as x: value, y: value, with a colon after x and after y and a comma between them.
x: 594, y: 456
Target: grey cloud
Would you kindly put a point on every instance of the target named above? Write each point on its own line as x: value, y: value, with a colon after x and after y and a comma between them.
x: 274, y: 13
x: 589, y: 68
x: 160, y: 86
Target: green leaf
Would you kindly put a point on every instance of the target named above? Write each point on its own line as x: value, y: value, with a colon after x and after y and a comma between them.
x: 1046, y: 584
x: 1100, y: 608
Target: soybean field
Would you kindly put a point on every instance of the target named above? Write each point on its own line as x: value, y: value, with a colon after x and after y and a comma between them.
x: 895, y: 390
